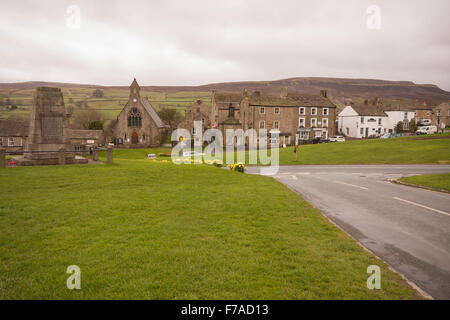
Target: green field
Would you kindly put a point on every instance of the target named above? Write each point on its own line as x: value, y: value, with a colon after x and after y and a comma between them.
x: 140, y: 229
x: 437, y: 181
x: 408, y: 150
x: 109, y: 106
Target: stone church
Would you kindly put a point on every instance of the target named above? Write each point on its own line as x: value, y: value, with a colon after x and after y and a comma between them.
x: 138, y: 124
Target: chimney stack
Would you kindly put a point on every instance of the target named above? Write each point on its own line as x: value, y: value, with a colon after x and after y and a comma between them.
x: 284, y: 93
x: 324, y: 93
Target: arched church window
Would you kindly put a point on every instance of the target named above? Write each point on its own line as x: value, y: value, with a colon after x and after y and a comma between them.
x: 134, y: 118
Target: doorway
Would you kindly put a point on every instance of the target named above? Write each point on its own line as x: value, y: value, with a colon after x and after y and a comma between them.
x: 134, y: 138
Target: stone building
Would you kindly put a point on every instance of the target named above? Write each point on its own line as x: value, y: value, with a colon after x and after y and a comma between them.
x: 85, y: 139
x: 138, y: 124
x: 14, y: 134
x: 197, y: 112
x: 288, y: 114
x: 441, y: 116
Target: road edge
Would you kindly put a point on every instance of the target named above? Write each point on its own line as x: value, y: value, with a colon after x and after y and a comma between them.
x: 396, y: 181
x: 415, y: 287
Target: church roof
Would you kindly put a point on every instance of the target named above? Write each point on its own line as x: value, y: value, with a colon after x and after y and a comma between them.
x: 152, y: 113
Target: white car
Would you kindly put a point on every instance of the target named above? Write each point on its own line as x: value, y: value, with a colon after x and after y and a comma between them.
x: 337, y: 139
x: 427, y: 130
x: 192, y: 153
x: 424, y: 122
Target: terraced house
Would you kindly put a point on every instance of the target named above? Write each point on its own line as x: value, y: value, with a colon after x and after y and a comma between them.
x: 288, y: 114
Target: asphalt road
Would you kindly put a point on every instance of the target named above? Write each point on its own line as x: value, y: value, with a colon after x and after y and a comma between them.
x: 407, y: 227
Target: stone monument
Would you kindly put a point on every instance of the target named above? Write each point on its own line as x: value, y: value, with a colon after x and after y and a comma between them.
x: 48, y: 131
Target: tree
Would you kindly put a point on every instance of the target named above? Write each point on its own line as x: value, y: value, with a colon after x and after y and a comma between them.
x: 98, y: 93
x: 84, y: 117
x: 170, y: 116
x: 399, y: 127
x: 412, y: 126
x: 95, y: 125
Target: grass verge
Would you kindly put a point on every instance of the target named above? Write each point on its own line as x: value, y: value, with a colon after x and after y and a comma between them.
x: 436, y: 181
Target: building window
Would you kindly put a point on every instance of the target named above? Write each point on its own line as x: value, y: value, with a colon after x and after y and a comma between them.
x: 379, y: 121
x: 134, y: 118
x: 194, y: 131
x: 262, y: 110
x: 277, y: 110
x: 10, y: 142
x: 361, y: 131
x: 276, y: 125
x: 439, y: 112
x: 313, y: 111
x: 325, y: 111
x: 301, y: 122
x: 406, y: 115
x: 325, y: 123
x: 313, y: 122
x: 262, y: 124
x: 301, y: 110
x: 77, y: 148
x: 1, y: 142
x: 362, y: 119
x: 304, y: 135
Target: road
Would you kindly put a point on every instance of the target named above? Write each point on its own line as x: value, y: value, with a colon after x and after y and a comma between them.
x: 407, y: 227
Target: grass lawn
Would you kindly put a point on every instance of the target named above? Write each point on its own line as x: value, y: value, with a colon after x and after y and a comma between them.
x: 438, y: 181
x: 408, y: 150
x: 154, y: 230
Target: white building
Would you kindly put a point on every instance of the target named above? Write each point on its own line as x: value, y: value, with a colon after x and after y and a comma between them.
x: 368, y: 120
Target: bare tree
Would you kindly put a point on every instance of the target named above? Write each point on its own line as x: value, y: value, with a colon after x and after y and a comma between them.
x: 84, y: 118
x: 170, y: 116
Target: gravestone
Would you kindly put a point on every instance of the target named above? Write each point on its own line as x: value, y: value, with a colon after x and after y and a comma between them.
x: 48, y: 131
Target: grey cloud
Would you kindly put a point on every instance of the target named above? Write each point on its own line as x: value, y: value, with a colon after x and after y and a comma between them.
x: 197, y: 42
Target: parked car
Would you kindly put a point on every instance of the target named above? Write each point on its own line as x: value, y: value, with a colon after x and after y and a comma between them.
x: 424, y: 122
x: 337, y: 139
x: 387, y: 135
x: 427, y: 130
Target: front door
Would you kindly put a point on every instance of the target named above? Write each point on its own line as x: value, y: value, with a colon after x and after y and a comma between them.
x: 134, y: 138
x: 367, y: 132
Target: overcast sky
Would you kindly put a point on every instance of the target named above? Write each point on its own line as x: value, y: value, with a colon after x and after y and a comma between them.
x: 193, y: 42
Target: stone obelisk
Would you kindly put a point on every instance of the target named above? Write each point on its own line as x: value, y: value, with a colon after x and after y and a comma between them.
x: 49, y: 136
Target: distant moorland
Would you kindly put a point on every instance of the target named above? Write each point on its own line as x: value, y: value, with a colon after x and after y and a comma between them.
x: 16, y: 98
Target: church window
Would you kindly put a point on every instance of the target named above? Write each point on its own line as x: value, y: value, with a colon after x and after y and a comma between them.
x: 134, y: 118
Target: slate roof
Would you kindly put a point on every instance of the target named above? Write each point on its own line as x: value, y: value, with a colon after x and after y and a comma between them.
x: 369, y: 110
x: 152, y: 113
x: 14, y: 128
x: 293, y: 100
x: 226, y: 97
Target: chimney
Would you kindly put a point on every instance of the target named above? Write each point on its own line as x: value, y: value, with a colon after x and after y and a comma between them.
x: 284, y: 93
x: 324, y: 93
x: 256, y: 93
x: 245, y: 93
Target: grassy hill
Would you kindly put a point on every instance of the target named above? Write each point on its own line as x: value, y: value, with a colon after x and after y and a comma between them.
x: 179, y: 97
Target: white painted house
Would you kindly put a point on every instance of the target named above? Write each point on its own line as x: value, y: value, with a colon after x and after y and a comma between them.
x: 362, y: 121
x: 368, y: 120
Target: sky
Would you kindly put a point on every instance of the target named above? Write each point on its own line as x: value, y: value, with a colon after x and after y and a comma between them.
x: 195, y: 42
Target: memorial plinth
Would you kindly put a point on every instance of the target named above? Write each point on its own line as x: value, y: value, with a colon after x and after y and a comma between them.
x: 48, y: 131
